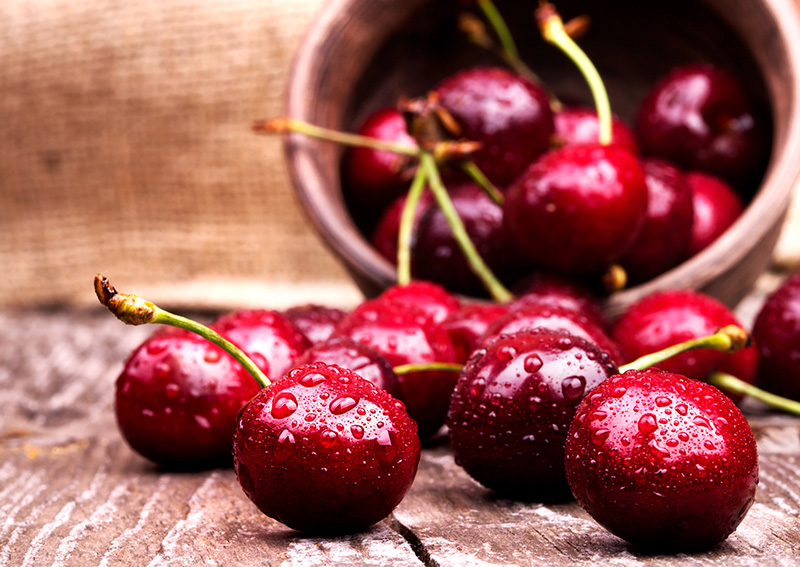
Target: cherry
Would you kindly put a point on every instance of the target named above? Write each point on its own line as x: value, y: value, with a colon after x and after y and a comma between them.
x: 427, y: 296
x: 510, y: 115
x: 467, y: 326
x: 358, y: 357
x: 554, y: 317
x: 665, y: 318
x: 324, y: 450
x: 551, y: 289
x: 404, y: 335
x: 385, y: 235
x: 374, y: 178
x: 578, y: 209
x: 662, y: 461
x: 777, y: 336
x: 315, y: 322
x: 177, y: 399
x: 578, y: 125
x: 716, y: 206
x: 268, y: 337
x: 513, y: 404
x: 701, y: 117
x: 664, y: 239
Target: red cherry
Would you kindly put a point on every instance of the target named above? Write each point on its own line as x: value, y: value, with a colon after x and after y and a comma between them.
x: 507, y: 113
x: 468, y: 325
x: 664, y: 239
x: 550, y: 289
x: 513, y: 404
x: 662, y: 461
x: 577, y: 125
x: 177, y: 399
x: 578, y: 208
x: 374, y: 178
x: 315, y: 322
x: 701, y: 117
x: 716, y: 207
x: 405, y: 335
x: 430, y: 297
x: 269, y: 338
x: 385, y: 236
x: 324, y: 450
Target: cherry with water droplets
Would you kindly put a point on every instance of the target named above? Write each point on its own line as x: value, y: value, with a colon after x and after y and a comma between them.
x: 467, y: 326
x: 315, y: 322
x: 552, y: 289
x: 579, y: 125
x: 430, y: 297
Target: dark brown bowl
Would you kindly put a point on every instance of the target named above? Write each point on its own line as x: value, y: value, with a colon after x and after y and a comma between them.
x: 360, y: 55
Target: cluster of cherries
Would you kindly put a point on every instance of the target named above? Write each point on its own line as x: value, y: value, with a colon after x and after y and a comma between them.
x: 325, y: 411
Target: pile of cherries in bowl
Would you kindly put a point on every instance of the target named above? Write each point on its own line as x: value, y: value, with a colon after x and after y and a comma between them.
x: 541, y: 397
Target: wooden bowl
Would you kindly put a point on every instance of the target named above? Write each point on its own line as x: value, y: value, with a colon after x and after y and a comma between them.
x: 360, y: 55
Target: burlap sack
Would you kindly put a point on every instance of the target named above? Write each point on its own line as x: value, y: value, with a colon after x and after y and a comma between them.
x: 126, y: 148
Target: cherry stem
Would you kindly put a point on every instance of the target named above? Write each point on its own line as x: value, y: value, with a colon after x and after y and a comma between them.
x: 284, y: 125
x: 423, y: 366
x: 730, y: 383
x: 406, y: 230
x: 727, y: 339
x: 133, y: 310
x: 497, y: 290
x: 480, y: 178
x: 553, y: 31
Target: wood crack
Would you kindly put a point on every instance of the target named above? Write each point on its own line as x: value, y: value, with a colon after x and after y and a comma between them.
x: 413, y: 540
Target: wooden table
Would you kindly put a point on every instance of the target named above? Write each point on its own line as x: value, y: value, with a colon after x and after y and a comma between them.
x: 73, y: 493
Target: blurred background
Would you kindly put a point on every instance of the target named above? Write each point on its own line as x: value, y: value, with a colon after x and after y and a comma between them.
x: 126, y: 149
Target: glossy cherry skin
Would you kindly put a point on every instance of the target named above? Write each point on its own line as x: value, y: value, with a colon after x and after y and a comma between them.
x: 269, y: 338
x: 664, y: 239
x: 384, y: 237
x: 716, y: 206
x: 551, y: 289
x: 554, y: 317
x: 578, y: 126
x: 405, y: 335
x: 467, y: 326
x: 323, y: 450
x: 662, y: 461
x: 513, y: 404
x: 315, y: 322
x: 358, y: 357
x: 177, y: 399
x: 578, y: 208
x: 430, y: 297
x: 507, y: 113
x: 777, y: 336
x: 374, y: 178
x: 701, y: 117
x: 665, y: 318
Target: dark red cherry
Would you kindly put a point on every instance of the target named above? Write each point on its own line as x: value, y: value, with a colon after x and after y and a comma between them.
x: 578, y: 125
x: 666, y: 318
x: 430, y: 297
x: 324, y: 450
x: 315, y: 322
x: 507, y: 113
x: 177, y: 399
x: 701, y: 117
x: 554, y: 317
x: 374, y: 178
x: 662, y: 461
x: 578, y: 208
x: 777, y: 335
x: 551, y: 289
x: 384, y: 236
x: 467, y: 326
x: 716, y: 207
x: 408, y: 335
x: 513, y: 404
x: 361, y: 359
x: 664, y: 239
x: 269, y: 338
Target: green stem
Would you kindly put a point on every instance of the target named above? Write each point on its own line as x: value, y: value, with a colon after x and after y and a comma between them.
x: 552, y: 29
x: 480, y: 178
x: 282, y: 125
x: 406, y: 231
x: 500, y: 28
x: 423, y: 366
x: 133, y: 310
x: 728, y: 339
x: 734, y: 385
x: 476, y: 263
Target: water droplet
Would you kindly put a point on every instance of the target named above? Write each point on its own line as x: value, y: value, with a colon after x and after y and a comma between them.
x: 683, y: 436
x: 310, y: 417
x: 212, y: 356
x: 619, y: 391
x: 647, y: 423
x: 202, y: 422
x: 328, y: 438
x: 709, y: 445
x: 156, y: 347
x: 573, y: 387
x: 598, y: 415
x: 600, y: 436
x: 532, y: 363
x: 701, y: 421
x: 384, y: 438
x: 161, y: 370
x: 506, y: 353
x: 260, y: 361
x: 662, y: 401
x: 286, y: 437
x: 312, y: 379
x: 147, y: 413
x: 672, y: 442
x: 682, y: 409
x: 283, y: 405
x: 565, y: 343
x: 343, y: 405
x: 357, y: 431
x: 528, y: 438
x: 172, y: 390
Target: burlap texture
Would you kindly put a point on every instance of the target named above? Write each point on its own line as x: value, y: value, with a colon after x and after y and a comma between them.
x: 126, y: 149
